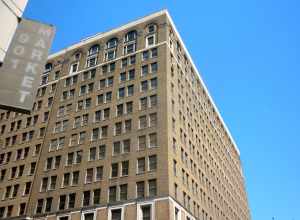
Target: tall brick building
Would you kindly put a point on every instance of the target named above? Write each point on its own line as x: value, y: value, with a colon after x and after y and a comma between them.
x: 123, y: 128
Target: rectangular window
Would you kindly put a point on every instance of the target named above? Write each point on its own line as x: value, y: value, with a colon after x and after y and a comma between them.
x: 62, y: 202
x: 99, y: 173
x: 153, y: 140
x: 121, y: 93
x: 142, y: 142
x: 141, y: 165
x: 123, y: 192
x: 117, y: 148
x: 152, y: 187
x: 131, y: 74
x: 152, y: 162
x: 86, y: 198
x: 143, y: 122
x: 75, y: 178
x: 72, y: 198
x: 96, y: 197
x: 128, y: 125
x: 116, y: 214
x: 153, y: 83
x: 126, y: 146
x: 146, y: 212
x: 125, y: 168
x: 114, y: 170
x: 130, y: 90
x: 112, y: 194
x: 153, y: 119
x: 89, y: 175
x: 144, y: 86
x: 92, y: 154
x: 143, y: 103
x: 101, y: 152
x: 140, y: 189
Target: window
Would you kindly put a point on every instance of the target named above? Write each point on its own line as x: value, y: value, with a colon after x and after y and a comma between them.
x: 66, y: 181
x: 88, y: 216
x: 121, y: 93
x: 104, y: 131
x: 99, y: 173
x: 118, y: 128
x: 129, y: 107
x: 114, y: 170
x: 120, y: 110
x: 96, y: 197
x: 112, y: 194
x: 117, y: 148
x: 128, y: 125
x: 145, y: 55
x: 22, y: 209
x: 143, y: 103
x: 72, y: 198
x: 52, y: 182
x: 62, y: 202
x: 101, y: 151
x: 153, y: 101
x: 39, y: 206
x: 142, y: 142
x: 111, y: 43
x: 91, y: 61
x: 153, y: 140
x: 92, y: 154
x: 153, y: 119
x: 130, y: 90
x: 144, y: 86
x: 86, y: 198
x: 140, y: 189
x: 48, y: 67
x: 146, y: 212
x: 150, y: 40
x: 123, y: 77
x: 141, y: 165
x: 154, y: 52
x: 131, y: 74
x: 75, y: 178
x: 89, y: 175
x: 142, y: 121
x: 126, y: 146
x: 145, y: 70
x: 152, y: 162
x: 93, y: 50
x: 154, y: 67
x: 116, y: 214
x: 48, y: 204
x: 125, y: 168
x: 130, y: 36
x: 153, y: 83
x: 123, y: 192
x: 74, y: 67
x: 151, y: 28
x: 129, y: 48
x: 152, y: 187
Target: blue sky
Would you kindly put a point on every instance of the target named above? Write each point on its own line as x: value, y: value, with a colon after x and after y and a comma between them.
x: 248, y: 53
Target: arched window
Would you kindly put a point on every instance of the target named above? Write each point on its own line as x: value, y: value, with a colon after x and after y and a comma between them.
x: 77, y: 55
x: 131, y: 36
x: 113, y: 42
x: 151, y: 28
x: 48, y: 67
x: 94, y: 49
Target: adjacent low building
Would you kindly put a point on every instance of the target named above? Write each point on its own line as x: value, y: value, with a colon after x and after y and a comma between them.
x: 122, y: 128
